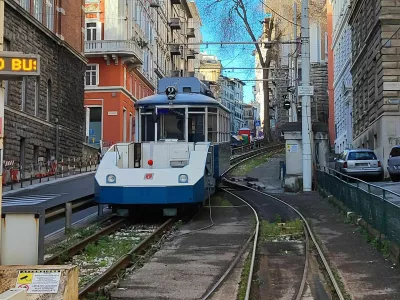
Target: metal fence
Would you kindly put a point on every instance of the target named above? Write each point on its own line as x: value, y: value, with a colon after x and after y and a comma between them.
x: 15, y: 174
x: 378, y: 206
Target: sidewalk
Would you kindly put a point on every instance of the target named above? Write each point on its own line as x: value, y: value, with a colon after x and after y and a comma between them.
x: 37, y: 183
x: 363, y: 270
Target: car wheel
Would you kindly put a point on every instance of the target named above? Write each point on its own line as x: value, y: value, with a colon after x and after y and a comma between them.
x: 381, y: 177
x: 394, y: 178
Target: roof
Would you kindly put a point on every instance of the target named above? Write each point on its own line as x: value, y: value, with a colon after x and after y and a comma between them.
x: 180, y: 99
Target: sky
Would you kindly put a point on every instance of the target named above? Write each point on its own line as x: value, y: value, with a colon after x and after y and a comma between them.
x: 214, y: 29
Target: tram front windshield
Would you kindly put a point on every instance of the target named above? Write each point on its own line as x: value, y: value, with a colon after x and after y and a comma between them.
x: 170, y: 124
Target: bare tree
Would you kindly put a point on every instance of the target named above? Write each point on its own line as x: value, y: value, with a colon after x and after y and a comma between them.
x: 233, y: 16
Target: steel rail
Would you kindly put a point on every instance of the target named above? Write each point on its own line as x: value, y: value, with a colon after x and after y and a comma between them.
x: 79, y: 246
x: 124, y: 261
x: 255, y: 242
x: 320, y: 253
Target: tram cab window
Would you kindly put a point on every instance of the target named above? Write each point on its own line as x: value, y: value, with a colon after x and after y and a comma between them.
x: 147, y: 128
x: 171, y: 123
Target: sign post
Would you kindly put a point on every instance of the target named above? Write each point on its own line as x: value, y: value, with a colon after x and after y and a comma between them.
x: 13, y: 66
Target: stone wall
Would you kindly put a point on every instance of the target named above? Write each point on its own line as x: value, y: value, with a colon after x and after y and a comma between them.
x: 320, y: 101
x: 60, y: 89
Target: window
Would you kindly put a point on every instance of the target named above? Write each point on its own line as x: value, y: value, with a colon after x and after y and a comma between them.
x: 362, y: 155
x: 48, y: 100
x: 395, y: 152
x: 50, y: 14
x: 22, y: 153
x: 91, y: 76
x: 23, y: 94
x: 37, y: 95
x: 35, y: 156
x: 26, y: 4
x: 38, y: 9
x: 7, y: 47
x: 124, y: 126
x: 131, y: 127
x: 91, y: 31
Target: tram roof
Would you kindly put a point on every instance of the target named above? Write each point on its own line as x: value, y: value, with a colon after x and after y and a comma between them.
x: 193, y: 99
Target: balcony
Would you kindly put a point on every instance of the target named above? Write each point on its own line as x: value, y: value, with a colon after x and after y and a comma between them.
x: 191, y: 54
x: 175, y: 24
x: 129, y: 51
x: 190, y: 33
x: 175, y: 50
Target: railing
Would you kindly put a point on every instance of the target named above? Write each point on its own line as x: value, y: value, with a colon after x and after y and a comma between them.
x: 104, y: 46
x: 15, y: 174
x: 376, y: 205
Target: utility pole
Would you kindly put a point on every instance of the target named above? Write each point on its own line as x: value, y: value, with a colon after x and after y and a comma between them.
x: 1, y: 117
x: 293, y: 103
x: 306, y: 92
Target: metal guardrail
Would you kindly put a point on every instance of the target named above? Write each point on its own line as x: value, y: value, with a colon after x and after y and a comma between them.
x: 376, y: 205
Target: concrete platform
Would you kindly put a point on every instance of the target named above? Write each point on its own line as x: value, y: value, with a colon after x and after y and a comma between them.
x: 187, y: 266
x: 364, y: 272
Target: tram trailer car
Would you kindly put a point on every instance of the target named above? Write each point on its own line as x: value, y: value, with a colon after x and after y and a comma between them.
x: 181, y: 148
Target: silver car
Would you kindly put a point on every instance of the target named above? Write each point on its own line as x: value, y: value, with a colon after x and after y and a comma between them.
x: 359, y: 163
x: 393, y: 166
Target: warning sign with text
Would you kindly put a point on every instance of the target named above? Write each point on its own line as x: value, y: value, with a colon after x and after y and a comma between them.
x: 39, y: 281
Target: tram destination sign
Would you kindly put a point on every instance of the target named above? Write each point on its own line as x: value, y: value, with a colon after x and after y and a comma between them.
x: 14, y: 65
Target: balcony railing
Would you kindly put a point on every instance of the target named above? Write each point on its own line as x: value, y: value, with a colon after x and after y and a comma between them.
x: 122, y: 48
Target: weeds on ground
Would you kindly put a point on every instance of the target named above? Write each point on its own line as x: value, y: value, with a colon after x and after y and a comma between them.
x: 246, y: 167
x: 272, y: 231
x: 72, y: 237
x: 244, y: 277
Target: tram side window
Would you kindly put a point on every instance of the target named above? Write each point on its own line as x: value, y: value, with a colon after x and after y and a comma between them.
x: 147, y: 128
x: 196, y: 128
x: 212, y: 127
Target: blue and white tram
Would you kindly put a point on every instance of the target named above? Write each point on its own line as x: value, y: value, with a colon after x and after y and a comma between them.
x: 181, y: 148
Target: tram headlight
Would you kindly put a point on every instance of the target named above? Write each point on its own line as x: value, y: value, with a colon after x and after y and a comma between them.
x: 183, y: 178
x: 111, y: 178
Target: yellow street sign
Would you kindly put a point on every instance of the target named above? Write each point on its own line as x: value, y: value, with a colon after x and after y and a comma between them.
x: 25, y: 278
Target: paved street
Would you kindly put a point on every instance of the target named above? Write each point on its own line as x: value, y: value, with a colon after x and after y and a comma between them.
x: 54, y: 193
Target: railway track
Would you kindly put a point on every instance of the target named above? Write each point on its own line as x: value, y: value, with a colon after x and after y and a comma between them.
x: 308, y: 234
x: 125, y: 261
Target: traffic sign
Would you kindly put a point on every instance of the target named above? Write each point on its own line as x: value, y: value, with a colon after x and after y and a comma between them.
x: 14, y: 65
x: 286, y: 105
x: 306, y: 90
x: 257, y: 123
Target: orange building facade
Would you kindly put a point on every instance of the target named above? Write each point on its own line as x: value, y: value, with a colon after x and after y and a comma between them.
x: 114, y: 80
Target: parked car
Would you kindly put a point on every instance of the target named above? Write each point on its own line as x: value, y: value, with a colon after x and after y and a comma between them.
x: 393, y: 166
x: 359, y: 163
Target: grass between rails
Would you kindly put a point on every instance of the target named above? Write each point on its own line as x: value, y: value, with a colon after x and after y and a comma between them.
x: 244, y: 277
x: 73, y: 236
x: 278, y: 231
x: 250, y: 164
x: 99, y: 256
x: 269, y: 232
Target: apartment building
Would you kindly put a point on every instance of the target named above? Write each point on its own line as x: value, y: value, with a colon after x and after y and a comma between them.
x: 342, y: 83
x: 44, y: 116
x: 375, y: 74
x: 231, y: 95
x: 130, y: 46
